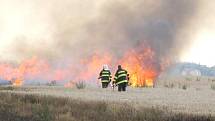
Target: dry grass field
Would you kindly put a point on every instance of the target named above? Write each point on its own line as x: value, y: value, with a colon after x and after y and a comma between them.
x: 28, y: 107
x: 178, y: 100
x: 190, y: 99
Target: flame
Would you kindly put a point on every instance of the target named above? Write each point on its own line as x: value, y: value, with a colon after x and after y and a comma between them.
x: 93, y: 65
x: 141, y: 63
x: 89, y: 68
x: 17, y: 82
x: 141, y: 66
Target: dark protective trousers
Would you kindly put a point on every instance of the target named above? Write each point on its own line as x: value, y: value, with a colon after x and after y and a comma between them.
x: 105, y: 84
x: 122, y: 87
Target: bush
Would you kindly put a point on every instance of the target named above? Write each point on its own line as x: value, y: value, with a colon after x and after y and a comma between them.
x: 184, y: 87
x: 170, y: 85
x: 42, y: 113
x: 80, y: 85
x: 7, y: 88
x: 198, y: 79
x: 213, y: 86
x: 52, y: 83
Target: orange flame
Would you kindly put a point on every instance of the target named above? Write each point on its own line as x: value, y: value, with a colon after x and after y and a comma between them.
x: 141, y: 67
x: 17, y: 82
x: 141, y: 63
x: 89, y: 68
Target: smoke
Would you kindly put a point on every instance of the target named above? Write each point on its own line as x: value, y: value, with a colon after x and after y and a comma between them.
x: 53, y: 29
x: 70, y: 30
x: 160, y: 24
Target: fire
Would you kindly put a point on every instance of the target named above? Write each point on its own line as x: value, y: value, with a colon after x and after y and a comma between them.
x: 89, y: 68
x: 17, y: 82
x: 27, y: 70
x: 141, y: 66
x: 149, y: 83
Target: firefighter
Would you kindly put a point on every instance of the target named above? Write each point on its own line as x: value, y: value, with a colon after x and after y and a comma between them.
x: 105, y: 76
x: 121, y: 78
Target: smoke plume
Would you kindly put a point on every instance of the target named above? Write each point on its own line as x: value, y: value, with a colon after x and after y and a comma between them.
x: 69, y: 30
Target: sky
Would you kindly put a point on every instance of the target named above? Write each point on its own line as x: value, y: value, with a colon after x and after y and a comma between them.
x: 202, y: 48
x: 27, y: 20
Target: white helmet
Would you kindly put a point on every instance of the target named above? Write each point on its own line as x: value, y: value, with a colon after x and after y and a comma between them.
x: 105, y: 67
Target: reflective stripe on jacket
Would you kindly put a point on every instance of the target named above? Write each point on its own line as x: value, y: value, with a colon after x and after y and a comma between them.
x: 105, y: 76
x: 121, y: 76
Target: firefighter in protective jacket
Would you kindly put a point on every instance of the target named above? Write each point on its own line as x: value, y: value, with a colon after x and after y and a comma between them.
x: 121, y: 78
x: 105, y: 76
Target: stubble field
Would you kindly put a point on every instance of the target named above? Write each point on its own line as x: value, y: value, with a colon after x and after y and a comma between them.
x: 193, y: 100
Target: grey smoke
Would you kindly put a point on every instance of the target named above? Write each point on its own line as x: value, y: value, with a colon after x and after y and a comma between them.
x: 114, y: 26
x: 122, y: 25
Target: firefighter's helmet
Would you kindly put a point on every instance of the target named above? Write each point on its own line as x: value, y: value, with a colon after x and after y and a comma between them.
x: 105, y: 67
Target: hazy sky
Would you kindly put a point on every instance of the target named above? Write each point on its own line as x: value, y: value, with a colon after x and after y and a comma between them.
x: 203, y: 46
x: 31, y: 20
